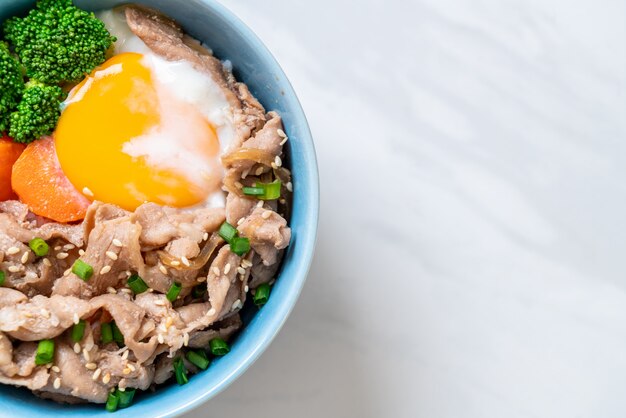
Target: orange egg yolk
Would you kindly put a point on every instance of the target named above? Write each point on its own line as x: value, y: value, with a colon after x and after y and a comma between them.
x: 118, y: 103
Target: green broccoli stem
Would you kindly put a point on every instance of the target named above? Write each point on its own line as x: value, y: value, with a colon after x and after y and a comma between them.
x: 37, y: 114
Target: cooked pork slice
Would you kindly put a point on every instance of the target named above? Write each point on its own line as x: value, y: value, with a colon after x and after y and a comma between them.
x: 260, y: 273
x: 268, y: 233
x: 224, y: 329
x: 35, y: 381
x: 238, y: 207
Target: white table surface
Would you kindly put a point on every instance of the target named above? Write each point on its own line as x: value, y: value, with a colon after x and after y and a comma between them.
x: 472, y: 247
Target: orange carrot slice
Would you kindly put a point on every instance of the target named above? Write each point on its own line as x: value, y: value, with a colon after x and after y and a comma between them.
x: 9, y: 153
x: 40, y: 183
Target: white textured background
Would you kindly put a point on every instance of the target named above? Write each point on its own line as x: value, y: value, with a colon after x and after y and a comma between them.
x: 472, y: 250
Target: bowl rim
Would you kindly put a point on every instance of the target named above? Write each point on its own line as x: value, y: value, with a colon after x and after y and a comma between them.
x: 299, y: 267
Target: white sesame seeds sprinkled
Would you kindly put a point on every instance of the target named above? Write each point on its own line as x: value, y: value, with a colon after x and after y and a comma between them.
x: 259, y: 171
x: 128, y: 273
x: 168, y: 322
x: 96, y: 374
x: 49, y: 366
x: 105, y: 269
x: 69, y: 247
x: 236, y: 305
x: 126, y: 290
x: 120, y: 387
x: 185, y: 261
x: 86, y: 355
x: 117, y: 243
x: 246, y: 289
x: 87, y: 192
x: 245, y: 174
x: 240, y: 221
x: 106, y: 379
x: 227, y: 268
x: 205, y: 236
x: 62, y: 256
x: 24, y: 259
x: 76, y: 318
x: 58, y: 248
x: 211, y: 311
x: 274, y: 166
x: 111, y: 255
x: 175, y: 263
x: 13, y: 251
x: 241, y: 270
x: 284, y: 141
x: 186, y: 339
x: 160, y: 338
x: 159, y: 302
x: 163, y: 269
x: 111, y: 290
x: 131, y: 367
x: 125, y: 355
x: 266, y: 214
x: 67, y: 272
x: 238, y: 185
x: 91, y: 366
x: 289, y: 186
x: 126, y: 370
x: 260, y: 204
x: 81, y: 252
x: 57, y: 383
x: 56, y: 369
x: 246, y: 263
x: 200, y: 279
x: 47, y: 262
x: 278, y: 161
x: 14, y: 269
x: 77, y: 348
x: 216, y: 271
x: 281, y: 133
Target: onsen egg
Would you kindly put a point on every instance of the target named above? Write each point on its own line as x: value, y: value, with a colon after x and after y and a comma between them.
x: 143, y: 129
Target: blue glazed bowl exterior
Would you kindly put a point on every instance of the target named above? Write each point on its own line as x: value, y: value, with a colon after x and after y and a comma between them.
x: 253, y: 64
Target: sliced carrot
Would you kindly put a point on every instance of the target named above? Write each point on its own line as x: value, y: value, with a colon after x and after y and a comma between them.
x: 40, y: 183
x: 9, y: 153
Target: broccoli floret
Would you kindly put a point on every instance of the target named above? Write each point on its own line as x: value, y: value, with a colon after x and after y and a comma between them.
x: 11, y: 85
x: 38, y: 112
x: 58, y: 42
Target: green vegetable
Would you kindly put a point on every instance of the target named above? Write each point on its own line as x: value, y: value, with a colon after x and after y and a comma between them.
x: 198, y: 358
x: 264, y: 191
x: 172, y: 294
x: 39, y: 247
x: 2, y: 277
x: 253, y: 191
x: 37, y: 114
x: 82, y: 270
x: 180, y: 371
x: 45, y: 352
x: 112, y: 401
x: 106, y: 333
x: 199, y: 291
x: 58, y: 42
x: 136, y: 284
x: 11, y: 85
x: 125, y: 397
x: 227, y: 231
x: 261, y: 295
x: 78, y: 330
x: 240, y: 246
x: 219, y: 347
x: 118, y: 337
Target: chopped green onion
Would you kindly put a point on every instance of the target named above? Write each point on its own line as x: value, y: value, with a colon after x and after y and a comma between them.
x: 125, y: 398
x: 180, y: 371
x: 106, y: 333
x: 253, y: 191
x: 199, y: 291
x: 78, y: 331
x: 112, y: 401
x: 172, y: 294
x: 2, y: 277
x: 118, y: 337
x: 228, y: 232
x: 219, y: 347
x: 82, y: 270
x: 240, y: 246
x: 136, y: 284
x: 272, y: 190
x: 261, y: 295
x: 45, y: 352
x: 39, y: 247
x: 198, y: 358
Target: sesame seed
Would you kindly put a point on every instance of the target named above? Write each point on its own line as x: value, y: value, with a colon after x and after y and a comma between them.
x: 266, y: 214
x: 24, y: 259
x: 278, y: 161
x: 175, y: 263
x: 246, y: 289
x: 205, y: 236
x: 111, y: 290
x: 238, y: 185
x: 47, y: 262
x: 211, y: 311
x: 240, y: 221
x: 96, y: 374
x: 121, y: 388
x: 185, y: 261
x: 259, y: 171
x: 27, y: 314
x: 106, y: 379
x: 126, y: 371
x: 91, y: 366
x: 62, y: 256
x: 159, y: 302
x: 260, y: 204
x: 125, y: 355
x: 245, y: 174
x: 131, y: 367
x: 160, y: 338
x: 45, y: 313
x: 14, y: 269
x: 77, y: 348
x: 274, y: 166
x: 168, y: 322
x: 56, y: 369
x: 105, y: 269
x: 186, y: 339
x: 67, y: 272
x: 57, y: 383
x: 281, y: 133
x: 227, y: 268
x: 111, y: 255
x: 69, y: 247
x: 241, y: 270
x: 87, y: 192
x: 117, y: 243
x: 237, y: 304
x: 289, y: 186
x: 58, y: 248
x: 128, y: 273
x: 246, y: 263
x: 284, y: 141
x: 13, y: 251
x: 76, y: 318
x: 86, y: 354
x: 81, y: 252
x: 200, y: 279
x: 126, y: 290
x: 216, y: 271
x: 163, y: 269
x: 49, y: 366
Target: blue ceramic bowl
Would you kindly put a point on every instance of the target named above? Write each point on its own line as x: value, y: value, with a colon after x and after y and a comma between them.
x: 253, y: 64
